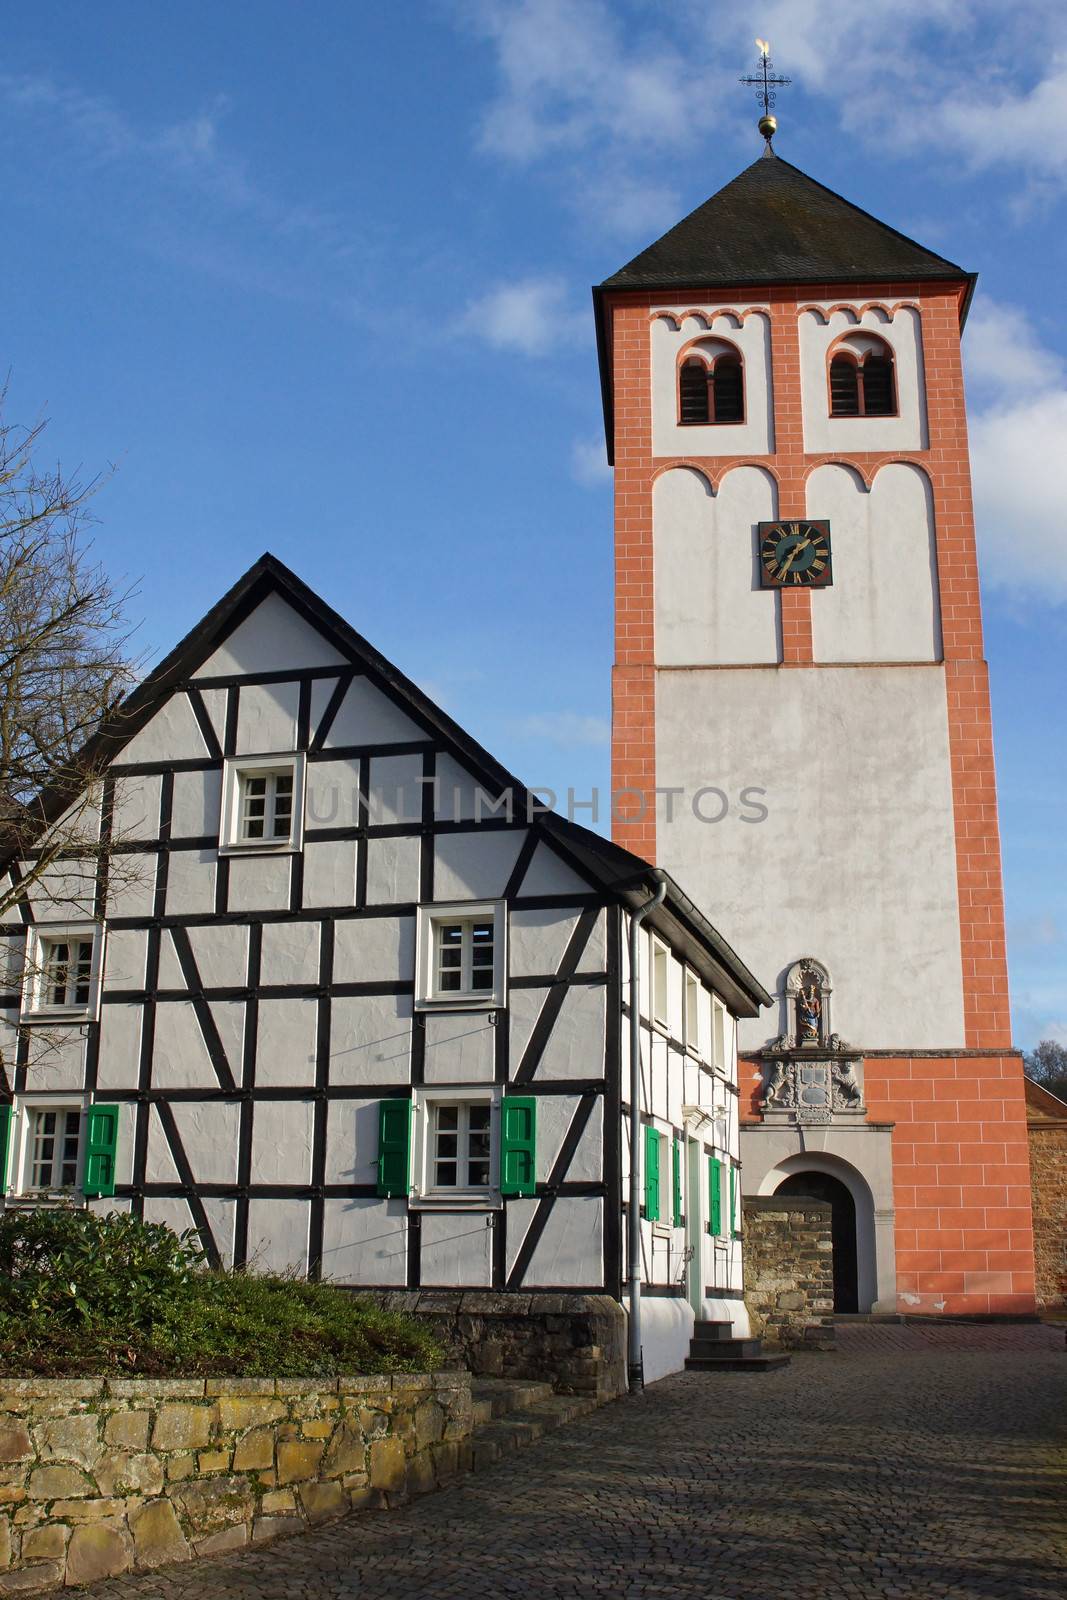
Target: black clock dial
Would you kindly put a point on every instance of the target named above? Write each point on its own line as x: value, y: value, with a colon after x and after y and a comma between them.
x: 795, y: 555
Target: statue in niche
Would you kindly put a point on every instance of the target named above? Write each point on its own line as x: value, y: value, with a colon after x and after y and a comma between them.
x: 809, y: 1009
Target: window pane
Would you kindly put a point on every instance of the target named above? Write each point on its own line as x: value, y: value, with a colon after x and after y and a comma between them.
x: 282, y: 789
x: 82, y: 973
x: 44, y: 1146
x: 448, y: 1117
x: 68, y: 1176
x: 693, y: 392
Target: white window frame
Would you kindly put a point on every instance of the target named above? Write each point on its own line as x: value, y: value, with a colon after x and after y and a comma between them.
x: 36, y: 1009
x: 664, y: 1223
x: 20, y: 1153
x: 428, y: 997
x: 693, y: 990
x: 659, y: 959
x: 235, y: 768
x: 719, y: 1036
x: 424, y: 1192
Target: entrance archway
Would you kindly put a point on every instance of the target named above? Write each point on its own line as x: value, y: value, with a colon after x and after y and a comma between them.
x: 823, y: 1186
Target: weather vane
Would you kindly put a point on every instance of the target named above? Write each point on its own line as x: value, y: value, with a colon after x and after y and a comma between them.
x: 766, y: 86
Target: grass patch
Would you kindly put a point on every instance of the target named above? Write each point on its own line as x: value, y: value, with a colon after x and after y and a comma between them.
x: 82, y: 1295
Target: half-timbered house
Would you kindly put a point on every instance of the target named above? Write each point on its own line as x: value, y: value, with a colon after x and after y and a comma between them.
x: 360, y: 1009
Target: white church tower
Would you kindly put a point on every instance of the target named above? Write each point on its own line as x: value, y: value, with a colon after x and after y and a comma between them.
x: 801, y: 723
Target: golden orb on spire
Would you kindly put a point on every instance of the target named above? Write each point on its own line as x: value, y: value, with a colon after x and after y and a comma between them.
x: 768, y: 126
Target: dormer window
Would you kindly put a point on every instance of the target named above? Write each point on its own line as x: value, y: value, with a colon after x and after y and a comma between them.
x: 861, y: 379
x: 711, y: 386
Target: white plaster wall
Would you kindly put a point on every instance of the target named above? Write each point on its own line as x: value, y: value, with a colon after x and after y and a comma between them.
x: 290, y: 953
x: 197, y: 805
x: 575, y: 1047
x: 120, y: 1046
x: 278, y: 1235
x: 285, y: 1053
x: 259, y: 883
x: 374, y: 950
x: 365, y: 1241
x: 352, y: 1141
x: 903, y: 333
x: 266, y: 717
x: 855, y: 863
x: 475, y: 865
x: 395, y: 790
x: 457, y: 1249
x: 367, y: 716
x: 571, y: 1248
x: 272, y: 636
x: 281, y: 1141
x: 330, y: 872
x: 392, y: 871
x: 548, y: 874
x: 666, y: 1329
x: 208, y: 1131
x: 751, y: 335
x: 710, y: 608
x: 125, y: 954
x: 136, y: 808
x: 883, y: 603
x: 190, y: 886
x: 460, y: 1048
x: 370, y: 1039
x: 171, y: 735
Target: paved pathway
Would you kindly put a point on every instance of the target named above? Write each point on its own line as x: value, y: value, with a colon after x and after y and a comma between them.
x: 916, y: 1464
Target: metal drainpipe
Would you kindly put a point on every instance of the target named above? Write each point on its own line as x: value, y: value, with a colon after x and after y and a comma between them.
x: 635, y: 1361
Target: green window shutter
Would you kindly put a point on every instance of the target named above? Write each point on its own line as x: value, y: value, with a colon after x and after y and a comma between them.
x: 652, y: 1141
x: 518, y: 1145
x: 676, y: 1174
x: 394, y: 1147
x: 101, y: 1139
x: 5, y: 1141
x: 714, y: 1196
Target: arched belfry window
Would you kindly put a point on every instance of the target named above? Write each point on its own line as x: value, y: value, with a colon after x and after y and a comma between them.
x: 862, y: 381
x: 711, y: 385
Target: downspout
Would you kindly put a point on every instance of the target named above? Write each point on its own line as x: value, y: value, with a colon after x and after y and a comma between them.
x: 635, y: 1362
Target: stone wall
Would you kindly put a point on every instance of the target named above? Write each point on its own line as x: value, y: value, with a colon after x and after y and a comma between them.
x: 577, y: 1342
x: 1047, y: 1133
x: 100, y: 1476
x: 789, y: 1271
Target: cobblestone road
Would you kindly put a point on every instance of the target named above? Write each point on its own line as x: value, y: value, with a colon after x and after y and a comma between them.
x: 916, y: 1464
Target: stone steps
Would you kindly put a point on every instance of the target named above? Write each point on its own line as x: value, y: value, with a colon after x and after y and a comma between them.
x: 713, y: 1348
x: 512, y: 1413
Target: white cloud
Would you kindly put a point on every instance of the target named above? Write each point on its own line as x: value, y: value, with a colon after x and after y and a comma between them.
x: 576, y: 77
x: 589, y: 462
x: 530, y: 315
x: 1001, y: 350
x: 569, y: 729
x: 1018, y: 460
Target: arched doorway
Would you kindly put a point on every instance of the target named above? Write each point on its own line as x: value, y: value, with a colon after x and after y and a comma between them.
x: 823, y: 1186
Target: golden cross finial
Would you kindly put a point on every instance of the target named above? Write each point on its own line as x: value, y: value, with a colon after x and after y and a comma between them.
x: 766, y: 85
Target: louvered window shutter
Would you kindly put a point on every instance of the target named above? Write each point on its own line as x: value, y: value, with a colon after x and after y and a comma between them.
x: 101, y: 1140
x: 728, y: 390
x: 714, y: 1196
x: 878, y: 387
x: 652, y: 1174
x: 844, y: 388
x: 518, y: 1145
x: 693, y: 392
x: 394, y: 1147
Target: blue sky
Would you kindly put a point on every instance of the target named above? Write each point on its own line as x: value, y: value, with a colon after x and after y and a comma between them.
x: 316, y: 279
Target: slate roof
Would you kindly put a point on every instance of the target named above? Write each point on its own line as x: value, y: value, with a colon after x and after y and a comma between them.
x: 774, y: 224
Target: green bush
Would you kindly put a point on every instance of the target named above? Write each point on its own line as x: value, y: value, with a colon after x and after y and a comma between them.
x: 82, y: 1294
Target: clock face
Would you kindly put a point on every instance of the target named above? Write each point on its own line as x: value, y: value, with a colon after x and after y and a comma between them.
x: 795, y: 555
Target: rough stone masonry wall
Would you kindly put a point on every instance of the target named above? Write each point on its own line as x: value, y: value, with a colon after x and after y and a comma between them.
x: 577, y: 1342
x: 789, y: 1271
x: 1048, y: 1187
x: 98, y: 1476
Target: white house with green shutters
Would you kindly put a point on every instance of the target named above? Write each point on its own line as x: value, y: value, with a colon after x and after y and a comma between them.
x: 360, y: 1007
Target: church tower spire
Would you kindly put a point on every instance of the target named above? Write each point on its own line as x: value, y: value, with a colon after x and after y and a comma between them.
x: 801, y: 725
